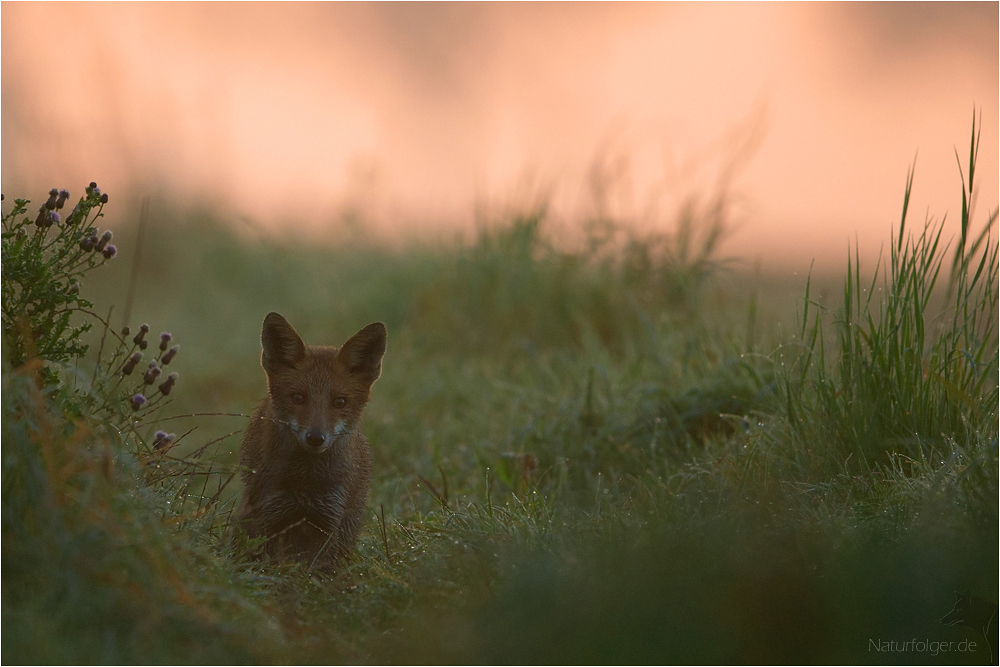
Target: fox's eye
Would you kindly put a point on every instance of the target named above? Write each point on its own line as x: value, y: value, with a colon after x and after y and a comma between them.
x: 339, y: 401
x: 298, y: 399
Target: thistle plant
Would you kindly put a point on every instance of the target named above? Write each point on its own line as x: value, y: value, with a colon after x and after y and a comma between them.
x: 44, y: 260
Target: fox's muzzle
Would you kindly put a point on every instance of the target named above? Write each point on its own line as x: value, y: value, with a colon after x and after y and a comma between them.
x: 316, y: 440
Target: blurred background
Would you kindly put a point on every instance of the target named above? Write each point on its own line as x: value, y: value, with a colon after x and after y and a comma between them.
x: 415, y: 118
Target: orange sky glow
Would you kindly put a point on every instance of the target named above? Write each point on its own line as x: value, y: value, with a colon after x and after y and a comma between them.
x: 414, y: 116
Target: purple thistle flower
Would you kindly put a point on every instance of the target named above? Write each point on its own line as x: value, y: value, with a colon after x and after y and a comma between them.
x: 54, y: 217
x: 138, y: 401
x: 162, y: 439
x: 110, y: 251
x: 165, y: 339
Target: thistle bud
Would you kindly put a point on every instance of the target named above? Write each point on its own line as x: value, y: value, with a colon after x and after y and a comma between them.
x: 104, y: 198
x: 63, y: 196
x: 53, y: 196
x: 168, y: 384
x: 92, y: 186
x: 74, y: 217
x: 87, y: 243
x: 105, y: 237
x: 143, y: 330
x: 138, y: 401
x: 171, y: 353
x: 162, y: 439
x: 131, y: 363
x: 143, y: 344
x: 152, y: 373
x: 165, y: 339
x: 110, y: 251
x: 43, y: 220
x: 74, y: 288
x: 126, y: 331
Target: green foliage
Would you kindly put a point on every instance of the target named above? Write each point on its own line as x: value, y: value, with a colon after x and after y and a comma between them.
x: 41, y: 275
x: 906, y: 382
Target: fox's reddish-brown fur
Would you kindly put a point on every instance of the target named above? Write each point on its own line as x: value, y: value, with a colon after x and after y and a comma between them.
x: 306, y: 465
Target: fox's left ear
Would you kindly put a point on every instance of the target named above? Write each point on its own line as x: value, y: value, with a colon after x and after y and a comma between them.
x: 362, y: 354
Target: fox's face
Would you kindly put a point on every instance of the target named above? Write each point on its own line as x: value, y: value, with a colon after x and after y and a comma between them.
x: 317, y: 391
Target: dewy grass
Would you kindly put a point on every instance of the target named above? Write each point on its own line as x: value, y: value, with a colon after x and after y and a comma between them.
x: 580, y: 456
x: 907, y: 380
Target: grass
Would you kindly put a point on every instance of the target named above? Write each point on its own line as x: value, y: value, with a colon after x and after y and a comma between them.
x: 606, y: 454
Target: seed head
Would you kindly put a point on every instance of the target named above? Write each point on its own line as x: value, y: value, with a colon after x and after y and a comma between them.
x: 171, y: 353
x: 63, y: 196
x: 110, y: 251
x: 138, y: 401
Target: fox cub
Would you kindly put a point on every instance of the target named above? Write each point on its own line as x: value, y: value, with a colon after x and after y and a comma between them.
x: 306, y: 465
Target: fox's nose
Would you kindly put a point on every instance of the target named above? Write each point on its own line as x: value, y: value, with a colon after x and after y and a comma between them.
x: 315, y: 439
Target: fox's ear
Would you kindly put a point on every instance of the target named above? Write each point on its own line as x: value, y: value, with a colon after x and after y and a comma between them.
x: 362, y: 354
x: 281, y: 345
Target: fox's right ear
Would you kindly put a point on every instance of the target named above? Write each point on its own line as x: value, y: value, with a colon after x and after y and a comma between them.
x: 281, y: 345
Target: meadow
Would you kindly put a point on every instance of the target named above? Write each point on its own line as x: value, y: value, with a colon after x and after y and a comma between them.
x: 621, y: 450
